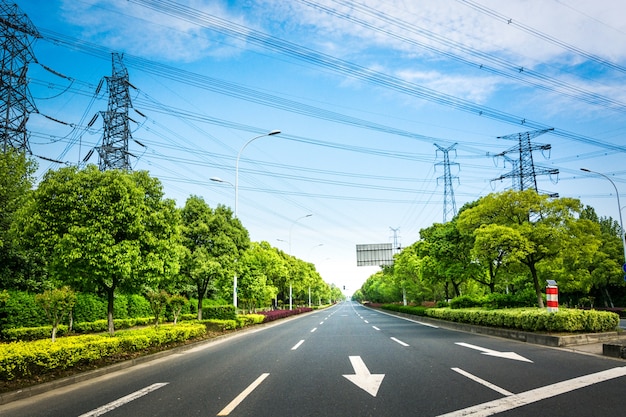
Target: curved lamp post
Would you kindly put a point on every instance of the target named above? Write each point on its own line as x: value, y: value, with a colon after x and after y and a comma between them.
x: 272, y: 133
x: 619, y: 209
x: 216, y: 179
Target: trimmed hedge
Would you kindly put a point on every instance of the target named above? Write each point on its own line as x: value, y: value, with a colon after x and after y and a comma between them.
x: 281, y: 314
x: 25, y: 359
x: 415, y: 310
x: 533, y: 319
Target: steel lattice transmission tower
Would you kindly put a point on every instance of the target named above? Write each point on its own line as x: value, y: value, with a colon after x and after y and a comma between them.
x: 114, y: 150
x: 17, y: 35
x: 524, y: 172
x: 449, y: 204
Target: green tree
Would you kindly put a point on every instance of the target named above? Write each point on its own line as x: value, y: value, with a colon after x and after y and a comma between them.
x: 19, y: 269
x: 103, y: 231
x: 260, y: 265
x: 158, y: 301
x: 176, y: 302
x: 540, y: 228
x: 214, y: 241
x: 57, y: 304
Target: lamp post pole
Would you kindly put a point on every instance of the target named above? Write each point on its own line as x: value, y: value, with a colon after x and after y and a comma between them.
x: 271, y: 133
x: 290, y: 283
x: 619, y: 210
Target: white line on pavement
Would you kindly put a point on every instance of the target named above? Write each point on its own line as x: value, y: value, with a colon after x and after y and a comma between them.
x: 297, y: 345
x: 124, y: 400
x: 399, y: 341
x: 483, y: 382
x: 537, y: 394
x: 313, y: 329
x: 239, y: 399
x: 375, y: 328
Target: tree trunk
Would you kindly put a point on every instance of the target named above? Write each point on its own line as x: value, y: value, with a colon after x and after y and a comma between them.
x: 533, y: 272
x: 199, y: 308
x: 110, y: 293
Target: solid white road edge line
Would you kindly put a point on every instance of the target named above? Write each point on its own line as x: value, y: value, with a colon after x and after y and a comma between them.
x: 399, y: 341
x: 537, y: 394
x: 239, y: 399
x: 297, y: 345
x: 124, y: 400
x: 483, y: 382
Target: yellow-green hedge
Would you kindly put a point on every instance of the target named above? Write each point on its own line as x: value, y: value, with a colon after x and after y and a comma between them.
x: 24, y: 359
x: 532, y: 319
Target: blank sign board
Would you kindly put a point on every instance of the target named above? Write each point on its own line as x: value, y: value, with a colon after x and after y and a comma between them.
x: 375, y: 254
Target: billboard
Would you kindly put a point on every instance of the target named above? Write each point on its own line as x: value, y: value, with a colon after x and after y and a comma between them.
x: 375, y: 254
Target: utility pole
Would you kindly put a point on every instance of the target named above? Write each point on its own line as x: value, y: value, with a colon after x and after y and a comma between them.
x: 524, y: 172
x: 114, y: 152
x: 449, y: 204
x: 17, y: 33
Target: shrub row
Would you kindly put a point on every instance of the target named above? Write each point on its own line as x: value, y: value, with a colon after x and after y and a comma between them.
x: 533, y: 319
x: 21, y: 310
x: 525, y: 298
x: 415, y: 310
x: 25, y: 359
x: 281, y: 314
x: 43, y: 332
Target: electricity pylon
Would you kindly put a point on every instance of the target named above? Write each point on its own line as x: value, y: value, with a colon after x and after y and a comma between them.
x: 114, y: 150
x: 449, y: 204
x: 524, y: 172
x: 17, y: 33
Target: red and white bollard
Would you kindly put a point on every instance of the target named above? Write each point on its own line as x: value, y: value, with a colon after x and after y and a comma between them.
x: 552, y: 296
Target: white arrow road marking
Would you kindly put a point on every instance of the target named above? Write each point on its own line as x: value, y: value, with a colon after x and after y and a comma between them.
x: 239, y: 399
x: 482, y: 382
x: 519, y: 400
x: 362, y: 377
x: 124, y: 400
x: 505, y: 355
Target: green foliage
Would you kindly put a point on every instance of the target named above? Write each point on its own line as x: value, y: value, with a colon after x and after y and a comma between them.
x: 138, y: 306
x: 57, y: 304
x: 218, y: 325
x: 224, y: 312
x: 32, y: 333
x: 89, y: 307
x: 533, y: 319
x: 21, y: 310
x: 25, y: 359
x: 244, y: 320
x: 495, y: 300
x: 158, y: 301
x: 414, y: 310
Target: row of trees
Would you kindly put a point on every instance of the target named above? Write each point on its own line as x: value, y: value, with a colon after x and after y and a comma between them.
x: 113, y: 231
x: 507, y: 242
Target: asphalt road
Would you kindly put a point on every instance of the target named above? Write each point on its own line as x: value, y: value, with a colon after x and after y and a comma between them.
x: 349, y: 361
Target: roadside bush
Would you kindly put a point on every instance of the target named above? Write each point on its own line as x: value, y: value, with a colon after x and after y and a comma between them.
x: 244, y: 320
x: 223, y: 312
x: 21, y: 310
x: 25, y: 359
x: 32, y: 333
x: 415, y: 310
x: 533, y: 319
x: 89, y: 308
x: 281, y: 314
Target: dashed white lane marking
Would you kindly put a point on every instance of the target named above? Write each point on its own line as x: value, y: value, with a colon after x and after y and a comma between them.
x: 399, y: 341
x: 297, y: 345
x: 313, y: 329
x: 518, y: 400
x: 483, y: 382
x: 124, y: 400
x: 375, y: 328
x: 239, y: 399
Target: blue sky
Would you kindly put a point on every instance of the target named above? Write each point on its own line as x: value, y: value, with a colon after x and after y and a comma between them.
x: 361, y: 91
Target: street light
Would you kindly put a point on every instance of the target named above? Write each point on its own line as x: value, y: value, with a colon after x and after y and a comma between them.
x: 272, y: 133
x: 619, y: 210
x: 290, y: 229
x: 216, y: 179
